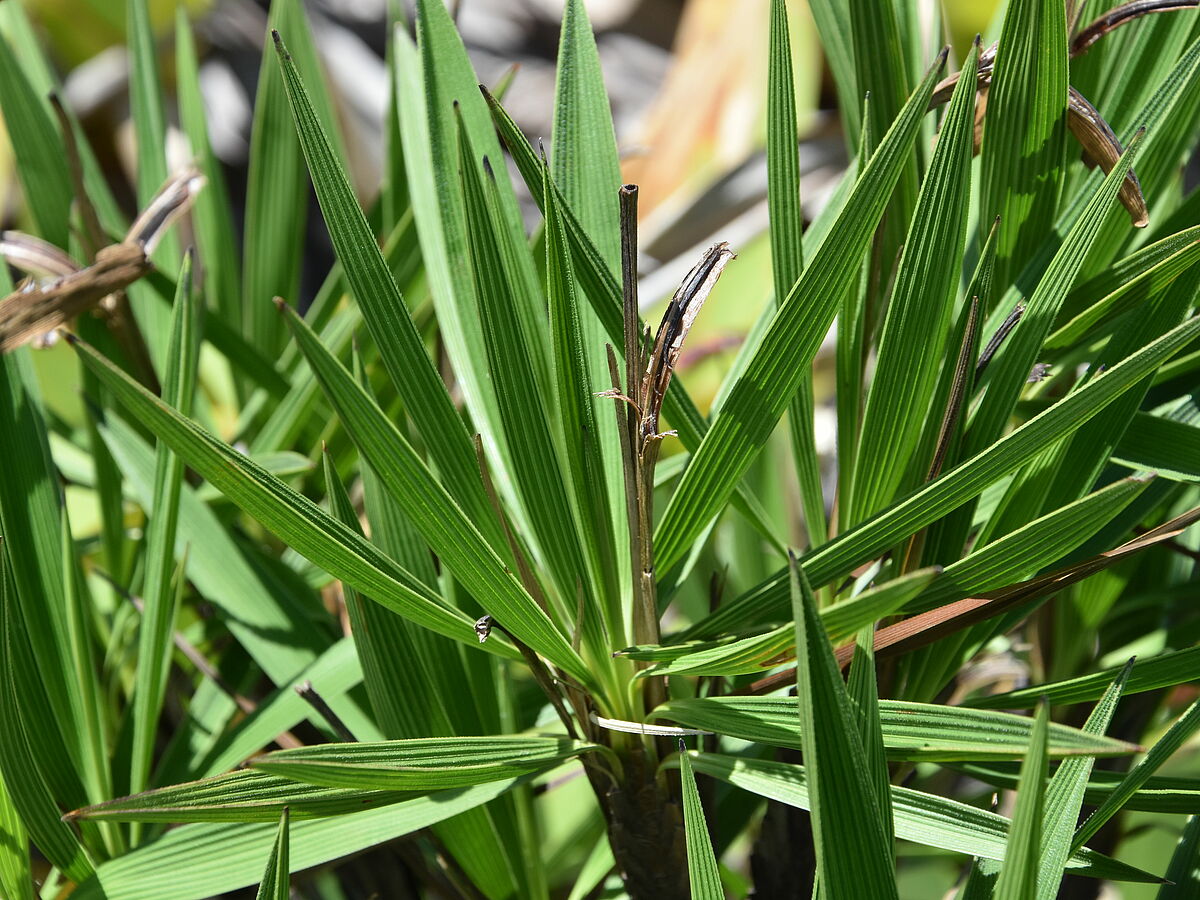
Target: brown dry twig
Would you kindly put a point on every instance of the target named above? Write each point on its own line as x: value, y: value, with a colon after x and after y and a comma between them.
x: 37, y: 308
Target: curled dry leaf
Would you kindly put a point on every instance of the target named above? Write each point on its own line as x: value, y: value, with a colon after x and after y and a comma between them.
x: 36, y: 256
x: 34, y: 309
x: 1101, y: 147
x: 1100, y: 144
x: 673, y: 330
x: 37, y: 308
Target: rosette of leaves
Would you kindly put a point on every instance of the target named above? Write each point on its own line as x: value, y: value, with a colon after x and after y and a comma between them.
x: 467, y: 502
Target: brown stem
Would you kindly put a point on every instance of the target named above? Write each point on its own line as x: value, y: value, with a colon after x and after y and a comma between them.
x: 483, y: 628
x: 993, y: 344
x: 310, y: 696
x: 1122, y: 15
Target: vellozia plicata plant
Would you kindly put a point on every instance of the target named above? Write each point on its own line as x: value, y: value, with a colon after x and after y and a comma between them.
x: 466, y: 504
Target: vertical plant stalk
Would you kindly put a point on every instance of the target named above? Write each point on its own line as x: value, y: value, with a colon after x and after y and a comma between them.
x: 644, y: 396
x: 644, y: 821
x: 639, y: 471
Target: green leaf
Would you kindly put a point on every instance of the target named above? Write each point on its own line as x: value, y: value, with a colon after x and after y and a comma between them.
x: 783, y: 159
x: 400, y: 346
x: 832, y: 19
x: 1165, y: 670
x: 1160, y: 793
x: 214, y: 228
x: 1017, y: 555
x: 1168, y: 117
x: 981, y: 881
x: 597, y: 865
x: 952, y: 393
x: 703, y: 875
x: 150, y: 129
x: 432, y: 80
x: 16, y: 879
x: 1024, y: 132
x: 397, y: 664
x: 21, y: 760
x: 584, y: 165
x: 845, y: 617
x: 145, y: 98
x: 583, y: 159
x: 1023, y: 553
x: 335, y: 673
x: 881, y: 73
x: 863, y: 689
x: 854, y: 854
x: 1065, y: 795
x: 966, y: 480
x: 1123, y: 286
x: 925, y: 819
x: 276, y: 198
x: 1009, y: 370
x: 23, y: 40
x: 1137, y: 776
x: 159, y: 597
x: 199, y: 861
x: 1183, y: 875
x: 765, y: 651
x: 787, y: 252
x: 297, y: 520
x: 41, y: 161
x: 401, y: 660
x: 40, y: 606
x: 917, y: 323
x: 1019, y: 874
x: 520, y: 397
x: 274, y: 885
x: 851, y: 339
x: 274, y: 630
x: 421, y: 764
x: 911, y: 731
x: 149, y: 121
x: 441, y: 522
x: 578, y: 419
x: 1159, y: 444
x: 603, y: 291
x: 762, y: 391
x: 1069, y: 469
x: 246, y: 795
x: 298, y: 408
